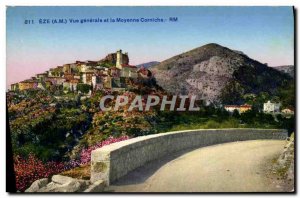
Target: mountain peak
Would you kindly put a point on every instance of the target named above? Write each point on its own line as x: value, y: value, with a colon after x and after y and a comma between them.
x: 212, y: 45
x: 205, y: 71
x: 198, y: 55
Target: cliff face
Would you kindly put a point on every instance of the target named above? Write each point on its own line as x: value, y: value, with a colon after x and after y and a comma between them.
x: 112, y: 58
x: 207, y: 70
x: 288, y: 69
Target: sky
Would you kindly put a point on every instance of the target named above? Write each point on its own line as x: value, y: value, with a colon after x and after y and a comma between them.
x: 265, y: 34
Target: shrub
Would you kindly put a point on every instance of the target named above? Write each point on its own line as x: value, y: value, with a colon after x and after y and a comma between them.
x: 30, y: 169
x: 211, y: 124
x: 84, y: 88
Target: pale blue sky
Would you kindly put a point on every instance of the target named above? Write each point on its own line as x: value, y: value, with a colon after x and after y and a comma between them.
x: 263, y: 33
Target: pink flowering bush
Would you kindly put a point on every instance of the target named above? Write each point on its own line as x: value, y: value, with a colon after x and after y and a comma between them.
x: 85, y: 155
x: 28, y: 170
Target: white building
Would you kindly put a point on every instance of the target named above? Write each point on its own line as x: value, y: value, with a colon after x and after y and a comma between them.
x: 270, y: 107
x: 97, y: 82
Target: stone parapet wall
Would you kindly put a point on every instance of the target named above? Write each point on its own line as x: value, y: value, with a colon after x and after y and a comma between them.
x: 111, y: 162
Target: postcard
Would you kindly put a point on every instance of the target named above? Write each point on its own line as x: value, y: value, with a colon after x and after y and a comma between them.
x: 150, y: 99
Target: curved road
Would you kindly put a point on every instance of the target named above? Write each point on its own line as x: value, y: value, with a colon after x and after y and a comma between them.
x: 230, y: 167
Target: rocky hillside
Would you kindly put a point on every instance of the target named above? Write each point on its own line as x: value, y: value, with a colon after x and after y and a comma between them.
x: 148, y: 64
x: 288, y: 69
x: 213, y: 71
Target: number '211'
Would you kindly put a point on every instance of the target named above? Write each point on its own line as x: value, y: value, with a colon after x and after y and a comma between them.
x: 28, y: 21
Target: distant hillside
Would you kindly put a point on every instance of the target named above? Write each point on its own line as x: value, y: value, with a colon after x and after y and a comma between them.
x: 213, y: 72
x: 288, y: 69
x: 148, y: 64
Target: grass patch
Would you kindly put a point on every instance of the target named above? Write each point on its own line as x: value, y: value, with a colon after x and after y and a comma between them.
x: 81, y: 172
x: 214, y: 124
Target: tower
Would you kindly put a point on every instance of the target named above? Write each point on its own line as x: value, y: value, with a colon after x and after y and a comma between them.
x: 119, y: 61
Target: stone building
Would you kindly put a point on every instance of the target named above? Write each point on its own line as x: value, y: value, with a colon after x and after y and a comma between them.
x: 71, y: 85
x: 97, y: 82
x: 120, y: 59
x: 73, y: 67
x: 27, y: 84
x: 83, y: 67
x: 87, y: 77
x: 107, y: 82
x: 129, y: 71
x: 68, y: 76
x: 67, y: 68
x: 41, y: 76
x: 270, y: 107
x: 115, y: 72
x: 56, y: 80
x: 14, y: 87
x: 126, y: 70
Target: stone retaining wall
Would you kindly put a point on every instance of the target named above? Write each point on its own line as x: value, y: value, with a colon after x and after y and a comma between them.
x: 114, y: 161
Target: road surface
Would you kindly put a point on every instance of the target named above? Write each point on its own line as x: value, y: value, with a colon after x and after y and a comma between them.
x: 231, y: 167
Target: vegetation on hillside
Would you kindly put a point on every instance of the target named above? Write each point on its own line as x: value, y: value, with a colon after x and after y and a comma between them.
x: 236, y: 93
x: 55, y: 130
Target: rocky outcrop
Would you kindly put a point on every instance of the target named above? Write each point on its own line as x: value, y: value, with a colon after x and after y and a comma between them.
x: 207, y: 70
x: 287, y: 155
x: 284, y: 167
x: 59, y: 183
x: 37, y: 185
x: 288, y: 69
x: 112, y: 58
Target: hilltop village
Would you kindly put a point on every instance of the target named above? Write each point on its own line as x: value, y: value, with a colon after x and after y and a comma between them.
x: 111, y: 73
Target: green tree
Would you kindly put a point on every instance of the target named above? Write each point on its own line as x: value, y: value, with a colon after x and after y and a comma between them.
x: 84, y: 88
x: 236, y: 114
x: 249, y: 98
x: 286, y: 95
x: 232, y: 93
